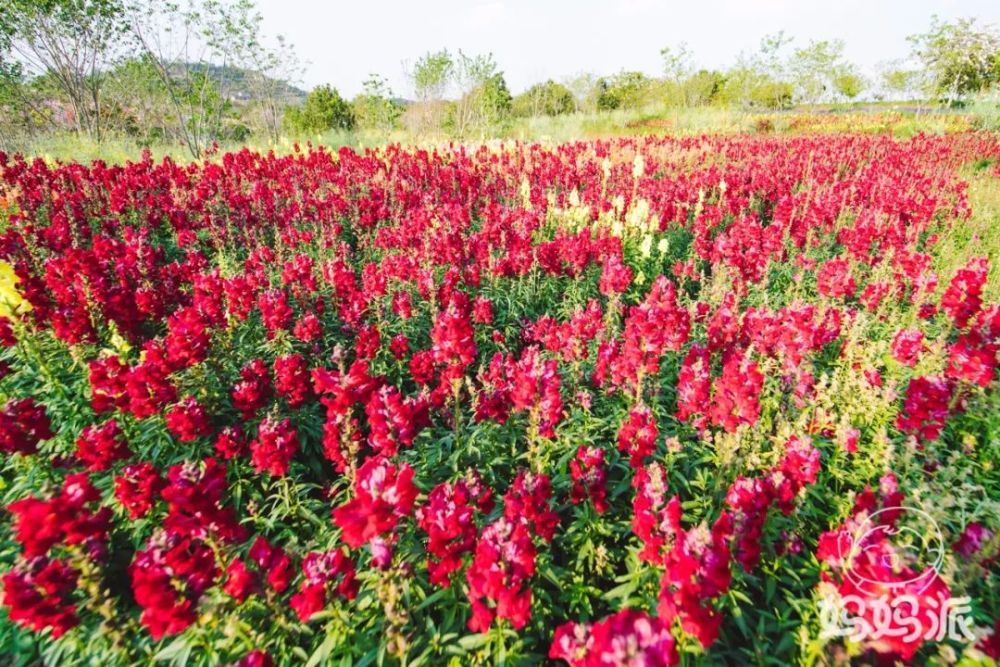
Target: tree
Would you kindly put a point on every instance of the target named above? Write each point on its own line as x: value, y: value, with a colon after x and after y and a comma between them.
x: 625, y: 90
x: 324, y: 109
x: 586, y: 89
x: 759, y: 80
x: 485, y: 100
x: 703, y: 87
x: 192, y: 48
x: 899, y: 82
x: 544, y: 99
x: 676, y: 62
x: 375, y: 107
x: 74, y: 41
x: 815, y: 67
x: 961, y: 57
x: 269, y: 71
x: 431, y: 75
x: 848, y: 84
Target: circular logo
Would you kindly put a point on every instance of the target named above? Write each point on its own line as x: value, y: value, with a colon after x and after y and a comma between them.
x: 894, y: 550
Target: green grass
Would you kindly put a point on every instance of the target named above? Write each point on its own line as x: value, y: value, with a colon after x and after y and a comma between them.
x: 578, y: 126
x: 980, y: 235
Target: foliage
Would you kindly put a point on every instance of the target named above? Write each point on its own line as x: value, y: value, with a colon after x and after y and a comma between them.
x: 323, y: 109
x: 544, y: 99
x: 625, y: 90
x: 961, y: 57
x: 376, y: 107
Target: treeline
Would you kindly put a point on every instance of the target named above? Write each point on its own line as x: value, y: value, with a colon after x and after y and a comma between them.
x: 204, y: 72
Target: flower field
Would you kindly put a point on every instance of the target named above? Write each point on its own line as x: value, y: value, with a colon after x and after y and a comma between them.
x: 620, y: 402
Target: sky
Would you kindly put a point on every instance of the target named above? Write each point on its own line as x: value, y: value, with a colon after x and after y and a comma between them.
x: 534, y: 40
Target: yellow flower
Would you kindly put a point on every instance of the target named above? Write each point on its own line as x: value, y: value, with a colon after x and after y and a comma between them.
x: 646, y: 246
x: 638, y: 166
x: 11, y: 300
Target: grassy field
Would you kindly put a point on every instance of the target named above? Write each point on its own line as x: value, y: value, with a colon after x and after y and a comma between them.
x: 902, y: 120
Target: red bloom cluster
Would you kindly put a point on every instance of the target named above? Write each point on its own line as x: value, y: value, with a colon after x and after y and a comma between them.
x: 23, y: 424
x: 188, y: 421
x: 964, y: 296
x: 638, y: 434
x: 136, y: 488
x: 527, y: 501
x: 323, y: 572
x: 194, y: 495
x: 499, y: 577
x: 100, y: 446
x: 656, y: 325
x: 276, y: 444
x: 866, y: 565
x: 629, y: 637
x: 448, y: 518
x: 907, y: 345
x: 169, y: 577
x: 589, y: 477
x: 535, y: 387
x: 383, y: 494
x: 926, y: 407
x: 63, y: 519
x: 834, y: 279
x: 38, y: 592
x: 736, y: 395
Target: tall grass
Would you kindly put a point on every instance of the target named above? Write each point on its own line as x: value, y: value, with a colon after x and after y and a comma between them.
x: 985, y: 113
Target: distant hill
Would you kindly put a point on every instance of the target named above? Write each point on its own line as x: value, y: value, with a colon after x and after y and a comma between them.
x: 234, y: 81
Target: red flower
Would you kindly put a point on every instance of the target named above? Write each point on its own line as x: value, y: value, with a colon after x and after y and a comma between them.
x: 169, y: 577
x: 834, y: 279
x: 230, y: 442
x: 694, y: 385
x: 629, y: 637
x: 448, y: 519
x: 37, y: 594
x: 136, y: 488
x: 383, y: 493
x: 273, y: 562
x: 100, y: 446
x: 964, y: 296
x: 737, y: 392
x: 500, y: 575
x: 64, y: 518
x: 615, y: 275
x: 528, y: 501
x: 240, y: 581
x: 194, y: 495
x: 255, y: 658
x: 973, y: 358
x: 907, y: 345
x: 589, y: 477
x: 23, y: 424
x: 638, y: 434
x: 188, y: 421
x: 276, y: 444
x: 926, y: 408
x: 291, y: 379
x: 323, y: 572
x: 656, y: 519
x: 253, y: 390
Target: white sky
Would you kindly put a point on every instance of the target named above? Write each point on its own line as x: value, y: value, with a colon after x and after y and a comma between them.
x: 533, y: 40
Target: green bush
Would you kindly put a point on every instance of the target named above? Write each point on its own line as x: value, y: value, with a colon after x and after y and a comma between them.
x: 324, y: 109
x: 544, y: 99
